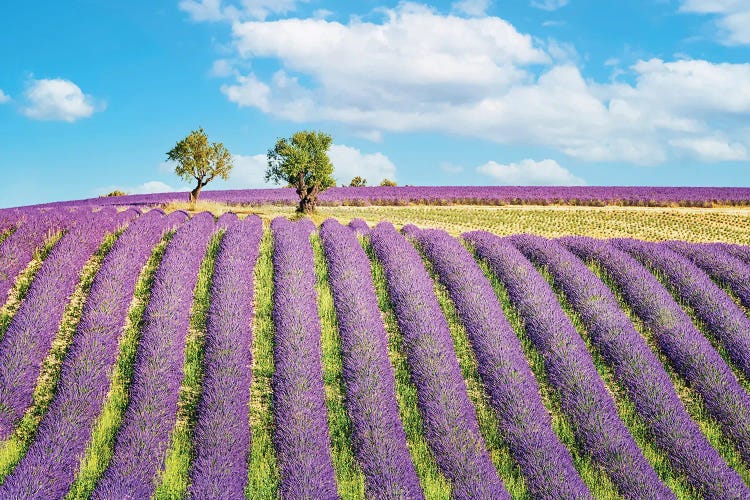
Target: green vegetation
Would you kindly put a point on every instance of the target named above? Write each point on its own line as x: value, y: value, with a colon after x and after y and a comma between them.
x: 200, y: 161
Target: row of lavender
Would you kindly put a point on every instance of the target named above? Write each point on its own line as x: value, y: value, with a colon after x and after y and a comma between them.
x: 450, y: 423
x: 441, y: 195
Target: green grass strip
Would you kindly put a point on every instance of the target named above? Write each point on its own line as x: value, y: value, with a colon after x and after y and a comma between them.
x: 23, y: 282
x: 263, y: 472
x: 4, y: 235
x: 593, y: 476
x: 489, y: 425
x: 691, y: 399
x: 14, y: 448
x: 434, y: 484
x: 676, y: 481
x: 174, y: 479
x: 349, y: 477
x: 100, y: 449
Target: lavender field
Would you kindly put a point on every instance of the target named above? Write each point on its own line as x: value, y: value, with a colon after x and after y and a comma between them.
x: 146, y: 354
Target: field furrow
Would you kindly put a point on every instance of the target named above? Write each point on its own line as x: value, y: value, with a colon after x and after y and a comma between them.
x: 151, y: 413
x: 584, y: 397
x: 450, y: 420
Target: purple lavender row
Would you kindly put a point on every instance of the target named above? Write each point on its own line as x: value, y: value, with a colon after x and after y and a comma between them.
x: 637, y: 368
x: 18, y: 249
x: 141, y: 442
x: 514, y: 393
x: 739, y: 251
x: 686, y: 348
x: 222, y: 430
x: 65, y: 431
x: 378, y: 437
x: 484, y: 195
x: 725, y: 320
x: 723, y: 267
x: 302, y: 437
x: 571, y: 370
x: 31, y: 332
x: 359, y: 226
x: 450, y: 420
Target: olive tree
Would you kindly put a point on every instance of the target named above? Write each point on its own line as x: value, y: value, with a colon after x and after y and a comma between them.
x: 358, y: 182
x: 302, y: 162
x: 199, y: 160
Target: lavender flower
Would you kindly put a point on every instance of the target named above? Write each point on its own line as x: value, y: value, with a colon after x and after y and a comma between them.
x: 302, y: 437
x: 151, y: 413
x: 514, y: 393
x: 378, y: 437
x: 571, y: 370
x: 450, y: 421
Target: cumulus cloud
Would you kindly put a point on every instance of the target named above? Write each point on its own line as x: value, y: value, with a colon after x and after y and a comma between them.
x: 733, y: 17
x: 530, y: 173
x: 59, y: 100
x: 474, y: 8
x: 712, y: 149
x: 248, y: 173
x: 349, y: 162
x: 423, y: 71
x: 217, y: 10
x: 4, y: 97
x: 549, y: 5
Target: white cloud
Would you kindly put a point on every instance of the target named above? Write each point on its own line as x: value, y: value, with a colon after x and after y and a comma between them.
x: 221, y: 68
x: 712, y: 149
x: 549, y: 5
x: 474, y: 8
x: 349, y: 162
x: 530, y: 173
x: 248, y: 173
x: 58, y: 99
x: 733, y: 17
x: 217, y: 10
x: 422, y: 71
x: 4, y: 97
x: 149, y: 187
x: 450, y: 168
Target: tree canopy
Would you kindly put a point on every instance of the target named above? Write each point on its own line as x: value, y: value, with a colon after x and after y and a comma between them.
x: 387, y: 182
x: 358, y: 182
x: 302, y: 162
x: 199, y: 160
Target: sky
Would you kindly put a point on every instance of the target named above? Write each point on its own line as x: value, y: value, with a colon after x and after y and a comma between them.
x: 93, y: 93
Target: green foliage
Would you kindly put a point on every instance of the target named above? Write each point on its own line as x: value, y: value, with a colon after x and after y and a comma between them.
x: 200, y: 160
x: 302, y: 162
x: 387, y: 183
x: 116, y: 192
x: 358, y: 182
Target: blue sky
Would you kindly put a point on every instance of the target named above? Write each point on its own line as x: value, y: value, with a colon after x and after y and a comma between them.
x: 640, y: 92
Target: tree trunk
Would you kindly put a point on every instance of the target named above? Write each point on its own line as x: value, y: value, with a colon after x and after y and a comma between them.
x: 307, y: 204
x: 195, y: 192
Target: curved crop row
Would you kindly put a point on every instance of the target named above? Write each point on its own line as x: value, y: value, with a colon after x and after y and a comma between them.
x: 571, y: 370
x: 302, y: 436
x: 514, y: 393
x: 65, y: 431
x: 740, y: 251
x: 359, y: 226
x: 723, y: 267
x: 450, y: 420
x: 152, y: 410
x: 18, y: 249
x: 222, y: 430
x: 33, y: 328
x: 688, y: 350
x: 379, y: 438
x: 724, y: 319
x: 637, y: 368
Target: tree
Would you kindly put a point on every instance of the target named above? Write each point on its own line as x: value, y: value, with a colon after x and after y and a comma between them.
x: 199, y: 160
x: 358, y: 182
x: 387, y: 182
x: 302, y: 162
x: 116, y: 192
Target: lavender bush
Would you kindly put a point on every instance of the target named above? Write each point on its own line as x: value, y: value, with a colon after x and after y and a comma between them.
x: 739, y: 251
x: 359, y: 226
x: 571, y: 370
x: 514, y: 393
x: 725, y: 320
x: 31, y: 332
x: 379, y: 440
x: 302, y: 437
x: 687, y: 349
x: 450, y: 421
x: 637, y: 369
x: 64, y: 432
x: 222, y: 430
x: 151, y: 413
